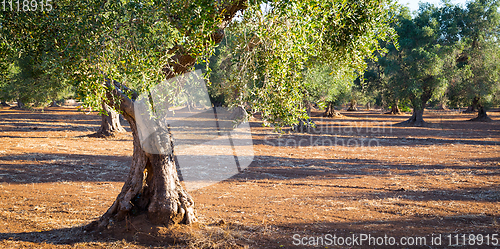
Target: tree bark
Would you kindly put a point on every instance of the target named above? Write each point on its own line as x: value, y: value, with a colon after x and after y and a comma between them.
x: 330, y: 111
x: 110, y: 123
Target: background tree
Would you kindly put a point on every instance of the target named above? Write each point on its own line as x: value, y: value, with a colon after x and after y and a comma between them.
x: 28, y: 51
x: 479, y: 63
x: 328, y: 89
x: 419, y: 68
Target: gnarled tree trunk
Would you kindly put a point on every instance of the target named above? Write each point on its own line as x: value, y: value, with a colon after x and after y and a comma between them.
x: 416, y: 118
x: 481, y: 115
x: 419, y: 104
x: 474, y: 106
x: 330, y: 111
x: 110, y: 123
x: 352, y: 106
x: 152, y: 186
x: 394, y: 108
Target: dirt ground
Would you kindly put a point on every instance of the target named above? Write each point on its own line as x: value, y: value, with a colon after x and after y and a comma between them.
x: 354, y: 176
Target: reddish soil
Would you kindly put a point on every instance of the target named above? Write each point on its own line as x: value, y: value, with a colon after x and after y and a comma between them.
x: 431, y: 181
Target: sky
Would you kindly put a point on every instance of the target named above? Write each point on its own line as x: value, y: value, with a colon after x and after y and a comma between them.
x: 413, y: 4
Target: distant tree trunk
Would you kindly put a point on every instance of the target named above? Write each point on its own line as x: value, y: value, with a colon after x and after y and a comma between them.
x: 474, y: 106
x: 368, y: 106
x: 330, y: 111
x: 308, y: 108
x: 442, y: 106
x: 481, y: 115
x: 395, y: 108
x: 109, y: 123
x: 54, y: 104
x: 416, y: 118
x: 352, y: 106
x: 20, y: 104
x: 419, y: 104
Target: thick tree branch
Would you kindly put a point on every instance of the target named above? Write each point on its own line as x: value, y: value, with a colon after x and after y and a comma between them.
x: 118, y: 90
x: 181, y: 61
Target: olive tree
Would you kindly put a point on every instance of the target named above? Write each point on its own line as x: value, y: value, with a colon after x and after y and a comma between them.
x: 117, y: 50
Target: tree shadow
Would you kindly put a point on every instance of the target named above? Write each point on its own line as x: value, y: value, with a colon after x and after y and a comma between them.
x: 57, y: 167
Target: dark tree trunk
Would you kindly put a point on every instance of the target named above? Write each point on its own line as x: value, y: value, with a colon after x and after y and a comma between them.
x: 330, y: 111
x: 416, y: 119
x: 481, y: 115
x: 394, y: 108
x: 419, y: 105
x: 54, y: 104
x: 109, y: 123
x: 474, y: 106
x: 20, y: 104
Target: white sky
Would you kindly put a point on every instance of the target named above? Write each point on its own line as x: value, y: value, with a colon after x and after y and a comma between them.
x: 413, y: 4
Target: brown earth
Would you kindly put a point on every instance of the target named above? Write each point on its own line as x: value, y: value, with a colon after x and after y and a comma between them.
x: 354, y: 175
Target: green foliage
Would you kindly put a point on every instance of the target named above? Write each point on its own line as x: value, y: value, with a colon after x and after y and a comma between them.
x: 421, y: 67
x: 478, y: 72
x: 133, y: 42
x: 28, y: 52
x: 277, y: 51
x: 324, y: 86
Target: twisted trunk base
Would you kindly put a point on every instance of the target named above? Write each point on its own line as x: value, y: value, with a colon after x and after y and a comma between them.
x: 54, y: 104
x: 152, y: 187
x: 109, y: 123
x: 394, y: 109
x: 416, y: 119
x: 481, y: 116
x: 352, y: 106
x: 330, y: 111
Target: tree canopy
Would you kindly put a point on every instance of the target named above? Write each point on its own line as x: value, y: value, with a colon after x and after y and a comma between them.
x: 139, y: 43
